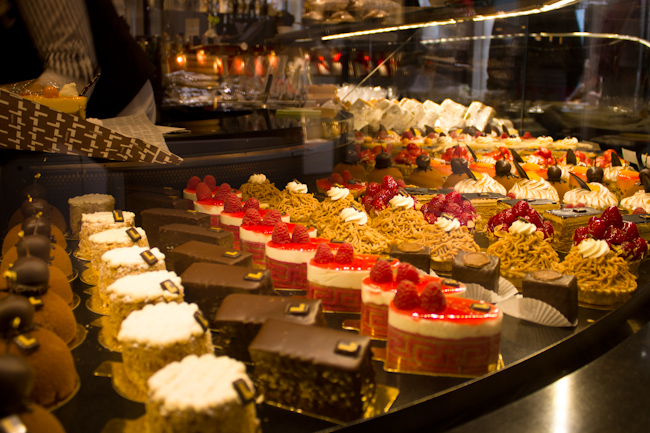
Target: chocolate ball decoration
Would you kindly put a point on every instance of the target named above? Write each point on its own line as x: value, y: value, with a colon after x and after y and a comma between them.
x: 351, y: 157
x: 595, y: 174
x: 423, y: 161
x: 34, y: 207
x: 29, y: 276
x: 458, y: 165
x: 16, y: 316
x: 35, y: 245
x: 554, y: 173
x: 383, y: 160
x: 37, y: 226
x: 16, y: 383
x: 502, y: 167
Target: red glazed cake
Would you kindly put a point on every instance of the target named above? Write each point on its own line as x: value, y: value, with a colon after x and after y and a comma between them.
x: 378, y: 290
x: 434, y: 334
x: 211, y: 202
x: 233, y: 215
x: 336, y: 279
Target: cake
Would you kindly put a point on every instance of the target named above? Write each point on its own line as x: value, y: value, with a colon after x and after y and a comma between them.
x: 255, y: 232
x: 207, y: 284
x: 34, y: 226
x: 160, y: 334
x: 384, y: 167
x: 592, y: 194
x: 92, y: 223
x: 459, y: 171
x: 138, y: 202
x: 241, y: 316
x: 342, y: 180
x: 114, y: 238
x: 481, y: 183
x: 66, y: 100
x: 499, y: 225
x: 55, y: 375
x: 445, y: 239
x: 190, y: 252
x: 504, y: 174
x: 430, y: 333
x: 554, y: 174
x: 450, y: 202
x: 413, y: 253
x: 33, y: 206
x: 424, y: 176
x: 17, y: 413
x: 212, y: 202
x: 296, y: 201
x: 351, y: 164
x: 640, y: 200
x: 88, y: 203
x: 190, y: 191
x: 378, y: 290
x: 565, y: 222
x: 154, y: 219
x: 233, y: 216
x: 314, y: 369
x: 205, y: 394
x: 477, y: 268
x: 400, y: 221
x: 133, y: 292
x: 260, y: 187
x: 534, y: 189
x: 557, y: 290
x: 352, y: 226
x: 642, y: 223
x: 51, y: 253
x: 174, y: 235
x: 541, y: 205
x: 337, y: 200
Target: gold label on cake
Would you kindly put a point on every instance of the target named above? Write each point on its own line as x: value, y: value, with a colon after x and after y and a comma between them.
x: 232, y: 254
x: 26, y: 343
x: 189, y: 210
x: 298, y: 309
x: 216, y: 229
x: 202, y: 321
x: 254, y: 276
x: 12, y: 424
x: 347, y: 348
x: 246, y: 395
x: 36, y: 301
x: 337, y: 241
x: 476, y: 260
x: 118, y: 216
x: 547, y: 275
x: 149, y: 258
x: 133, y: 234
x: 170, y: 286
x: 450, y: 282
x: 480, y: 306
x: 448, y: 216
x: 410, y: 247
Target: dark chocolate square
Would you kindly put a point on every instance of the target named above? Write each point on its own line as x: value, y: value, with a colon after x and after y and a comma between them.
x: 181, y: 257
x: 153, y: 219
x: 560, y: 293
x: 405, y: 253
x: 173, y: 235
x: 486, y: 276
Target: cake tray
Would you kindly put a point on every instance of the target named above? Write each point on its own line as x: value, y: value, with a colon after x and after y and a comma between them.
x: 94, y: 303
x: 74, y: 276
x: 58, y: 404
x: 77, y: 253
x: 120, y: 381
x: 89, y: 276
x: 116, y: 425
x: 105, y: 340
x: 76, y: 300
x: 79, y: 338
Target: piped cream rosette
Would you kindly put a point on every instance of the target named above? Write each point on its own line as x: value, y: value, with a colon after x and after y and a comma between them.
x: 327, y: 213
x: 598, y: 196
x: 484, y: 183
x: 352, y: 226
x: 534, y: 189
x: 261, y: 188
x: 296, y: 201
x: 400, y: 222
x: 640, y: 199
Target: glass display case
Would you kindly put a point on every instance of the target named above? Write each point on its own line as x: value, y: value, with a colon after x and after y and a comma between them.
x: 239, y: 80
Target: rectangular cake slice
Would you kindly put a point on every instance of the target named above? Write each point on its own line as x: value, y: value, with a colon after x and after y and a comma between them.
x: 174, y: 235
x: 140, y: 201
x: 477, y: 268
x: 540, y: 205
x: 190, y: 252
x: 319, y: 370
x: 153, y: 219
x: 558, y: 290
x: 565, y: 222
x: 207, y: 284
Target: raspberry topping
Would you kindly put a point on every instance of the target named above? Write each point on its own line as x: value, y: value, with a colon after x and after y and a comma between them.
x: 638, y: 211
x: 252, y: 203
x: 381, y: 272
x: 281, y: 234
x: 433, y: 299
x: 612, y: 217
x: 406, y: 297
x: 223, y: 191
x: 193, y: 182
x: 272, y: 217
x: 323, y: 253
x: 345, y: 254
x: 336, y: 178
x: 346, y: 175
x: 203, y: 191
x: 232, y: 204
x: 210, y: 181
x: 251, y: 218
x: 406, y: 271
x: 300, y: 235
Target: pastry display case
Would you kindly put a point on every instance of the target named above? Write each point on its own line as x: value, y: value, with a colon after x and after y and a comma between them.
x: 282, y: 105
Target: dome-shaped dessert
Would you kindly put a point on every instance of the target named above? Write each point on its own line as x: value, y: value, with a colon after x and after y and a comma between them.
x: 555, y: 179
x: 459, y: 171
x: 34, y: 226
x: 384, y: 167
x: 424, y: 176
x: 351, y: 163
x: 34, y: 206
x: 504, y: 174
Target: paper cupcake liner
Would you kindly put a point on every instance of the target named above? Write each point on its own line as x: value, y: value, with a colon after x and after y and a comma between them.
x: 505, y: 291
x: 534, y: 310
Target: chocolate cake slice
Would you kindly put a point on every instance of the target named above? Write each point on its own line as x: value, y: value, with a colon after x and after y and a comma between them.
x: 207, y: 284
x: 319, y: 370
x: 477, y: 268
x: 540, y: 204
x: 240, y: 318
x: 565, y: 221
x: 415, y: 254
x: 174, y: 235
x: 139, y: 201
x: 180, y: 258
x: 154, y: 219
x: 558, y: 290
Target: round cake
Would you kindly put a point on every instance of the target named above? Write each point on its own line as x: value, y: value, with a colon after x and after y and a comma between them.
x: 96, y: 222
x: 88, y: 203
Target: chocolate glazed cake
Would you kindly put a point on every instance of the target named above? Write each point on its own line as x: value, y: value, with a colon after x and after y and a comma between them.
x: 558, y: 290
x: 154, y: 219
x: 319, y: 370
x: 240, y: 318
x: 174, y: 235
x: 478, y: 268
x: 182, y: 257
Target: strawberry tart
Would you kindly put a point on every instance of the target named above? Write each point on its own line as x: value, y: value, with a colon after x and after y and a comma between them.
x: 378, y: 290
x: 212, y: 202
x: 342, y: 180
x: 190, y: 190
x: 430, y: 333
x: 232, y: 216
x: 255, y: 232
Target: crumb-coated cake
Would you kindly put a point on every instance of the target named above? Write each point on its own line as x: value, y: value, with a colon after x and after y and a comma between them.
x: 159, y: 334
x: 241, y: 316
x: 478, y: 268
x: 88, y: 203
x: 205, y: 394
x: 190, y: 252
x: 55, y: 374
x: 110, y: 239
x: 96, y: 222
x: 314, y: 369
x: 558, y: 290
x: 174, y: 235
x: 17, y: 413
x: 430, y: 333
x: 207, y: 284
x: 133, y: 292
x: 154, y: 219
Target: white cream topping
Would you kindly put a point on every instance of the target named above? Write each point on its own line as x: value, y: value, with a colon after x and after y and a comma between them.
x: 257, y: 179
x: 599, y: 197
x: 133, y: 288
x: 375, y: 295
x: 129, y: 256
x: 512, y: 141
x: 211, y: 209
x: 336, y: 193
x: 567, y: 143
x: 544, y: 141
x: 107, y: 218
x: 487, y: 160
x: 161, y: 324
x: 535, y: 189
x: 350, y: 214
x: 302, y: 256
x: 197, y: 383
x: 484, y: 184
x: 402, y: 201
x: 91, y: 198
x: 522, y: 228
x: 69, y: 91
x: 484, y: 140
x: 297, y: 187
x: 611, y: 173
x: 639, y: 199
x: 447, y: 224
x: 536, y: 159
x: 593, y: 248
x: 116, y: 236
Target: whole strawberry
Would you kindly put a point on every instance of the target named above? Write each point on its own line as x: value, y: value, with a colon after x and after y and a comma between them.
x: 281, y: 234
x: 272, y: 217
x: 407, y: 297
x: 345, y: 254
x: 210, y: 181
x: 323, y: 253
x: 252, y: 203
x: 612, y: 217
x: 381, y: 272
x: 300, y: 235
x: 223, y: 191
x: 432, y: 298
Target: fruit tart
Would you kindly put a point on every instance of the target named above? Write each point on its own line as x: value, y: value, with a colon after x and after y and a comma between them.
x: 499, y: 225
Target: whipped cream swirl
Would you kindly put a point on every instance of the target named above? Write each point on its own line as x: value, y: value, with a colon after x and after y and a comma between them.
x: 484, y: 139
x: 611, y: 173
x: 257, y: 179
x: 296, y: 187
x: 639, y: 199
x: 513, y: 141
x: 535, y: 189
x: 600, y: 197
x: 593, y: 248
x: 567, y: 143
x: 402, y: 201
x: 521, y: 227
x: 336, y: 193
x: 544, y: 140
x: 447, y: 224
x: 350, y: 214
x: 484, y: 184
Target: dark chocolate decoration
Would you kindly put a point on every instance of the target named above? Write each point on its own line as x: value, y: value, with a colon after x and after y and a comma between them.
x: 581, y: 183
x: 37, y: 226
x: 470, y: 130
x: 298, y: 309
x: 26, y: 343
x: 429, y: 129
x: 34, y: 206
x: 16, y: 315
x: 520, y: 171
x: 149, y: 258
x: 571, y: 157
x: 383, y: 160
x: 595, y: 174
x: 118, y: 216
x: 246, y: 395
x: 337, y: 241
x: 382, y: 128
x: 423, y: 162
x: 472, y: 152
x: 547, y: 275
x: 502, y: 167
x: 644, y: 177
x: 616, y: 161
x: 231, y: 254
x: 450, y: 282
x: 256, y: 276
x: 410, y: 247
x: 36, y: 301
x: 447, y: 215
x: 347, y: 348
x: 133, y: 235
x: 516, y: 157
x: 202, y: 321
x: 470, y: 174
x: 16, y: 383
x: 579, y: 210
x: 352, y: 182
x: 458, y: 165
x: 30, y: 276
x: 170, y: 286
x: 35, y: 245
x: 554, y: 173
x: 478, y: 306
x: 476, y: 260
x: 351, y: 157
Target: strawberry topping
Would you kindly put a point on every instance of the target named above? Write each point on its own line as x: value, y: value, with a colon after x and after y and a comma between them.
x: 193, y: 182
x: 323, y: 253
x: 406, y: 271
x: 281, y: 234
x: 232, y: 204
x: 252, y: 203
x: 251, y: 218
x: 223, y: 191
x: 406, y: 297
x: 300, y: 235
x: 203, y: 191
x: 381, y: 272
x: 345, y: 254
x: 272, y: 217
x: 210, y: 181
x: 432, y: 298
